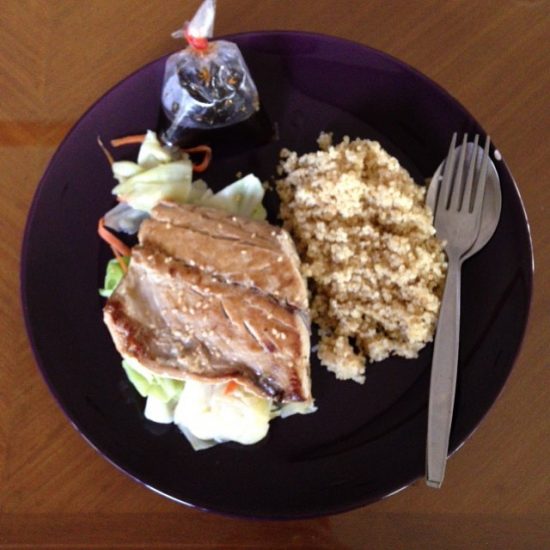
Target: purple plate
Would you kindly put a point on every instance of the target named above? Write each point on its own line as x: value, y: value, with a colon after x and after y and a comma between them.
x: 366, y: 441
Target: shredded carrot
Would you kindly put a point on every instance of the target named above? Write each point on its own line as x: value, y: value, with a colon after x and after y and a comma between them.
x: 128, y: 140
x: 121, y: 262
x: 231, y: 387
x: 207, y: 151
x: 117, y: 246
x: 106, y: 151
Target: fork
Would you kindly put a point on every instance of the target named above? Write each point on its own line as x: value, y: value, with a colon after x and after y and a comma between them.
x: 457, y: 219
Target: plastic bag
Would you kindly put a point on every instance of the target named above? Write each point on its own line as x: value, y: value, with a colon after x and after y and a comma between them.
x: 207, y: 85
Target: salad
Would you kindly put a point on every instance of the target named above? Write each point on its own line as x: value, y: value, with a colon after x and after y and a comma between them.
x: 207, y: 412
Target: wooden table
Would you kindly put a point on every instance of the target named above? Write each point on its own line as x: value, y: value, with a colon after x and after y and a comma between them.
x: 56, y: 58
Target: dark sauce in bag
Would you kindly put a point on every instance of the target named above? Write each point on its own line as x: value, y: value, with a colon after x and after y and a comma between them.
x: 208, y: 95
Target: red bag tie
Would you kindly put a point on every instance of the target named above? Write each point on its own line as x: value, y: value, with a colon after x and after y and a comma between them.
x: 197, y: 43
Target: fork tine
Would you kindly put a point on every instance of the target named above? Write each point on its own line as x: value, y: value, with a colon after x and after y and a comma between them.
x: 447, y: 178
x: 477, y: 200
x: 458, y: 188
x: 468, y: 186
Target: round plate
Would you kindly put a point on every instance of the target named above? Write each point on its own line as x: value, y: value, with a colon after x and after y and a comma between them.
x: 366, y: 441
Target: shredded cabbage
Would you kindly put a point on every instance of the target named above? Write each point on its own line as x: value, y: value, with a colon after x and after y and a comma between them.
x: 289, y: 409
x: 259, y: 213
x: 159, y: 411
x: 195, y: 442
x: 243, y: 197
x: 145, y: 189
x: 204, y: 412
x: 158, y: 175
x: 199, y: 193
x: 151, y: 153
x: 124, y: 169
x: 209, y: 413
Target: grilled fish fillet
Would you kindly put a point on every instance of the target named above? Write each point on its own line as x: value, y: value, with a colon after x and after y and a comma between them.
x: 207, y: 297
x: 238, y: 250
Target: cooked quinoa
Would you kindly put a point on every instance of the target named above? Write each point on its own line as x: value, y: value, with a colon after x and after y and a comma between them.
x: 368, y: 247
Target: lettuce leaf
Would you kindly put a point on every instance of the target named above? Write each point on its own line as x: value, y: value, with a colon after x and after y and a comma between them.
x: 113, y: 276
x: 149, y: 384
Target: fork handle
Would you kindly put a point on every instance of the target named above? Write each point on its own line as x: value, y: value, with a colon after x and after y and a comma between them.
x: 443, y: 376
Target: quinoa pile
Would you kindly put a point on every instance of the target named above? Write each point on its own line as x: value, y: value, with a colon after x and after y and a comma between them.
x: 368, y: 247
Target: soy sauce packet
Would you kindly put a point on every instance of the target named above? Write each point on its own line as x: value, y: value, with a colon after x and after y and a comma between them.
x: 207, y: 86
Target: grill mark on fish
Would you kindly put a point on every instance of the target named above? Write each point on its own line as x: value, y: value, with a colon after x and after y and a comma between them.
x: 221, y: 279
x: 197, y: 292
x: 228, y: 280
x: 256, y: 244
x: 224, y: 311
x: 264, y: 344
x: 269, y: 345
x: 288, y: 308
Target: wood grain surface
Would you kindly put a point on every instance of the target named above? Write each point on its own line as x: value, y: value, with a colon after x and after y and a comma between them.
x: 56, y: 58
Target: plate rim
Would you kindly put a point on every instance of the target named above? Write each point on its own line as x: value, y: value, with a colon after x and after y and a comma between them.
x: 31, y: 213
